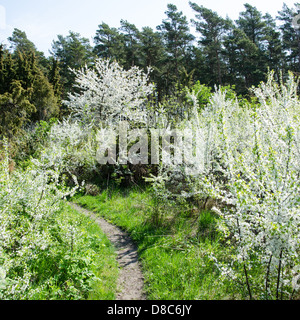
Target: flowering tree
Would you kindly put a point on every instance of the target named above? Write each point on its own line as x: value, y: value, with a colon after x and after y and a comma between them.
x: 265, y: 190
x: 109, y: 93
x: 250, y: 163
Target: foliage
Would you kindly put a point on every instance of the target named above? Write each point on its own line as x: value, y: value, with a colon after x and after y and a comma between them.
x: 19, y: 43
x: 30, y: 143
x: 25, y: 92
x: 212, y: 29
x: 15, y: 102
x: 249, y: 163
x: 70, y: 149
x: 177, y: 38
x: 202, y: 93
x: 72, y: 51
x: 175, y: 252
x: 244, y: 160
x: 45, y: 252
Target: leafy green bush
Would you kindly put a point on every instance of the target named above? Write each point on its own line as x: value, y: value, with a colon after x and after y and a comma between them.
x: 44, y: 251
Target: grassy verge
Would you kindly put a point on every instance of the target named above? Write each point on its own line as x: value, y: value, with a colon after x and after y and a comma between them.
x: 94, y: 243
x: 175, y: 253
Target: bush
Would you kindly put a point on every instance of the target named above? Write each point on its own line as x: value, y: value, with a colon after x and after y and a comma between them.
x: 43, y: 253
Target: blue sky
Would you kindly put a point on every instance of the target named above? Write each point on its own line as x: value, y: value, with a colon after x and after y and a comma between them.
x: 43, y: 20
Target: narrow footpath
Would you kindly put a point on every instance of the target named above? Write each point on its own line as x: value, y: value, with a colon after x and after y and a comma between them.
x: 130, y: 281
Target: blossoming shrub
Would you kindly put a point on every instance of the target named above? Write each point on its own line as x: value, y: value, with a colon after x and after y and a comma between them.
x: 249, y: 161
x: 70, y: 149
x: 110, y: 93
x: 106, y: 94
x: 43, y: 254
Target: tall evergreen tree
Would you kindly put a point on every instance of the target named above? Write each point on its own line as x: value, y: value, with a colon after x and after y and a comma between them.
x: 290, y: 37
x: 243, y: 64
x: 252, y: 23
x: 273, y: 51
x: 152, y: 47
x: 177, y: 39
x: 32, y: 78
x: 213, y: 29
x: 26, y: 68
x: 20, y: 43
x: 43, y: 98
x: 131, y: 38
x: 152, y: 54
x: 54, y: 77
x: 15, y: 110
x: 74, y: 52
x: 109, y: 43
x: 254, y: 26
x: 25, y: 92
x: 7, y: 70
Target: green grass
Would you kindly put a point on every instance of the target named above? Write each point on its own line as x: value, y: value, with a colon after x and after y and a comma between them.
x: 96, y: 244
x: 175, y: 253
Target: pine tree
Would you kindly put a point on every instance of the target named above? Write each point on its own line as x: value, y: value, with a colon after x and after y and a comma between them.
x: 152, y: 47
x: 246, y: 49
x: 212, y: 28
x: 43, y: 98
x: 252, y: 23
x: 177, y: 38
x: 7, y: 70
x: 131, y: 38
x: 152, y: 54
x: 290, y: 38
x: 74, y: 52
x: 25, y: 92
x: 32, y: 78
x: 109, y: 43
x: 26, y: 68
x: 54, y: 77
x: 243, y: 64
x: 15, y: 109
x: 273, y: 51
x: 20, y: 43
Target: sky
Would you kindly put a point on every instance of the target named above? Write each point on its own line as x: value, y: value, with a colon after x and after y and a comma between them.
x: 43, y: 20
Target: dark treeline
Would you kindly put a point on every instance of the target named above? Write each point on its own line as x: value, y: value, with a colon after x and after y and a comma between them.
x: 222, y: 52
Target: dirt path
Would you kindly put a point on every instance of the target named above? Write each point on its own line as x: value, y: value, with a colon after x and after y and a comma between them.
x: 131, y: 281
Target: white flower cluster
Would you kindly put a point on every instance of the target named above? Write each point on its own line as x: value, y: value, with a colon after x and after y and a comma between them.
x: 70, y: 145
x: 111, y: 94
x: 29, y: 202
x: 250, y: 162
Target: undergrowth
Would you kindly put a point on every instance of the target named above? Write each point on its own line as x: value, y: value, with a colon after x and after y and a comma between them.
x: 175, y: 252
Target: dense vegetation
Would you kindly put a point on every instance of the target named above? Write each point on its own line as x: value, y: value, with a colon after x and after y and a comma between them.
x: 175, y: 253
x: 220, y: 211
x: 47, y: 250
